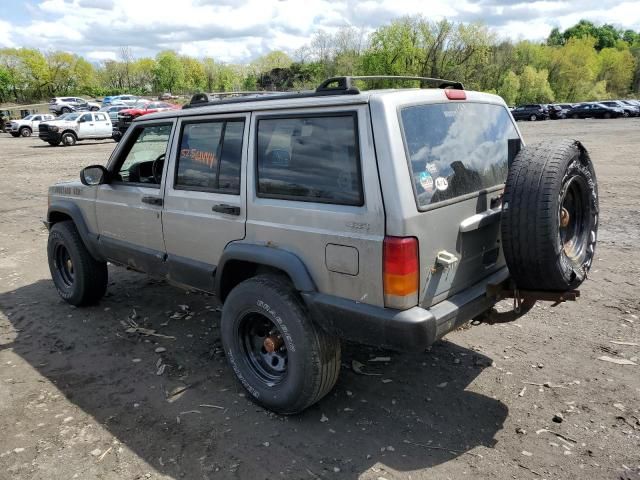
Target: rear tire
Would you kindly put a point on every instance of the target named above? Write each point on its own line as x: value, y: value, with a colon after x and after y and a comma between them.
x: 78, y: 277
x: 65, y: 110
x: 305, y: 365
x: 575, y: 116
x: 533, y: 118
x: 550, y: 216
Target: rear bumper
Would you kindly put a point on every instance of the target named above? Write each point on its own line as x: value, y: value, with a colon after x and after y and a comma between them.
x: 405, y: 330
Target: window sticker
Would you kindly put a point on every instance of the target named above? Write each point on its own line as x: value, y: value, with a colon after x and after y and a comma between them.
x: 442, y: 184
x: 426, y: 181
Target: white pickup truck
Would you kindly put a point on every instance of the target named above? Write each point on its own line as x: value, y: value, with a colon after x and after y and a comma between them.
x: 76, y: 126
x: 28, y: 124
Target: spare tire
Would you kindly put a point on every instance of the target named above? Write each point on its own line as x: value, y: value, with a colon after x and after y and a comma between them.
x: 550, y: 216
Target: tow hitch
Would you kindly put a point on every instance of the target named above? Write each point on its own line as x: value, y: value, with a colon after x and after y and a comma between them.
x: 523, y: 301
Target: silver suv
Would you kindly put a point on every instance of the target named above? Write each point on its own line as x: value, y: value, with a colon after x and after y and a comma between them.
x: 387, y: 217
x: 60, y: 105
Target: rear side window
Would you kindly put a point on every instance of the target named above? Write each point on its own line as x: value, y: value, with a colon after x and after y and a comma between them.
x: 210, y: 156
x: 313, y: 159
x: 456, y: 148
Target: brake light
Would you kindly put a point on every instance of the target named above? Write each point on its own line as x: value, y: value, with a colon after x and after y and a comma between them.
x: 455, y: 94
x: 401, y: 272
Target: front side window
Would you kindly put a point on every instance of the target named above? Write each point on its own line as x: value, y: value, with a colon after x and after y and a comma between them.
x: 87, y: 117
x: 143, y: 159
x: 210, y: 156
x: 313, y: 159
x: 456, y: 148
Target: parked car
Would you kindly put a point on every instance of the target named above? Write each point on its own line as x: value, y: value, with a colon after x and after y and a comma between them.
x: 627, y: 109
x: 594, y: 110
x: 60, y: 105
x: 29, y: 124
x: 310, y: 228
x: 530, y: 112
x: 126, y: 116
x: 74, y: 127
x: 127, y: 100
x: 557, y: 112
x: 112, y: 111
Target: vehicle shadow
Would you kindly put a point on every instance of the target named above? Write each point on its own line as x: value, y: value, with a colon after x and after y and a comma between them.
x: 84, y: 143
x: 412, y: 412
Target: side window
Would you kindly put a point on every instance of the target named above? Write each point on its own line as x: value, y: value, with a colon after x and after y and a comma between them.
x: 87, y: 117
x: 210, y: 155
x: 313, y: 159
x: 100, y: 117
x: 37, y: 118
x: 143, y: 158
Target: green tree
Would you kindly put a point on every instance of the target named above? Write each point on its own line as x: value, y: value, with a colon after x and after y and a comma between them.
x: 534, y: 86
x: 574, y: 68
x: 616, y: 69
x: 168, y: 72
x: 510, y: 88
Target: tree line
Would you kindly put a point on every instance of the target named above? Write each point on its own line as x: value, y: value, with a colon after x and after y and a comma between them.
x: 583, y: 62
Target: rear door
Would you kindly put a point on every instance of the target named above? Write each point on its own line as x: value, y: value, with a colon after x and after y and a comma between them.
x: 457, y: 153
x: 205, y: 205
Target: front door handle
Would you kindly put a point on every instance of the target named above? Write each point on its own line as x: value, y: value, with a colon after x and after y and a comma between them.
x: 152, y: 201
x: 227, y: 209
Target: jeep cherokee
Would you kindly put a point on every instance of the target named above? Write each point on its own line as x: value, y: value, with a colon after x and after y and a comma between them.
x: 387, y: 217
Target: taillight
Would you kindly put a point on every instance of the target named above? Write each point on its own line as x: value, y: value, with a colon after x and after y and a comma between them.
x: 455, y: 94
x: 401, y: 272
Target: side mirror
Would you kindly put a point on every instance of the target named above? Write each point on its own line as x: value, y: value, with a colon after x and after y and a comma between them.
x: 93, y: 175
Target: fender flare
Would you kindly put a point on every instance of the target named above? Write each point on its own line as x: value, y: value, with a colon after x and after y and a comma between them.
x: 72, y: 210
x: 283, y: 260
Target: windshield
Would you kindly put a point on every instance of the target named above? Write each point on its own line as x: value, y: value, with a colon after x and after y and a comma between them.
x: 72, y: 116
x: 456, y: 148
x: 28, y: 117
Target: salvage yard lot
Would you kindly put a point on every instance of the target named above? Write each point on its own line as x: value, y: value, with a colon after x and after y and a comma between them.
x: 80, y: 397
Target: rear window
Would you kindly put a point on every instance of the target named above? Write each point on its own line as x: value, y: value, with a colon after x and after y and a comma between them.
x: 456, y: 148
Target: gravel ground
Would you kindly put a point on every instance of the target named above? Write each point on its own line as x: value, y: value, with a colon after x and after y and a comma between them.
x: 81, y: 398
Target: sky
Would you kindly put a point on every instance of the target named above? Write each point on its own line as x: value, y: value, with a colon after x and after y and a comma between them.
x: 238, y: 31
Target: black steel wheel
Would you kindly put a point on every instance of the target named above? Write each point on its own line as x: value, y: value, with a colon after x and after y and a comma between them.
x: 264, y: 347
x: 78, y: 277
x: 278, y: 354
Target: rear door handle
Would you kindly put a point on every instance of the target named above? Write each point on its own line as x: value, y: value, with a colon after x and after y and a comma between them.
x: 152, y: 200
x: 227, y: 209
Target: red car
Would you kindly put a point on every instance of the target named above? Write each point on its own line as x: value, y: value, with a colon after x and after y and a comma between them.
x: 125, y: 117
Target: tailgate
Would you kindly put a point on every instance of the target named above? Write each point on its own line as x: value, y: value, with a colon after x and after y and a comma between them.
x: 458, y: 154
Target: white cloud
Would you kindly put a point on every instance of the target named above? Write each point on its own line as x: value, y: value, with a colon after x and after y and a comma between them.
x: 239, y: 30
x: 5, y: 34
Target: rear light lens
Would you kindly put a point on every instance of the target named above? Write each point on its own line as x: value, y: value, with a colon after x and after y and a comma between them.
x: 401, y: 272
x: 455, y: 94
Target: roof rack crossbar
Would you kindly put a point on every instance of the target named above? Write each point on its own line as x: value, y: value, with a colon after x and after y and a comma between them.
x: 346, y: 83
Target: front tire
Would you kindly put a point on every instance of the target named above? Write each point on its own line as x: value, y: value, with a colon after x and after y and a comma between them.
x: 277, y: 353
x: 15, y: 134
x: 533, y: 118
x: 68, y: 139
x: 54, y: 143
x: 25, y: 132
x: 78, y: 277
x: 65, y: 110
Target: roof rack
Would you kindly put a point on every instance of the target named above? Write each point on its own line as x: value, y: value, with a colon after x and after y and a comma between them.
x: 343, y: 86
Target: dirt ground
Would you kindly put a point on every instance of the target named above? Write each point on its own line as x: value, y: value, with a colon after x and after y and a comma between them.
x: 81, y: 398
